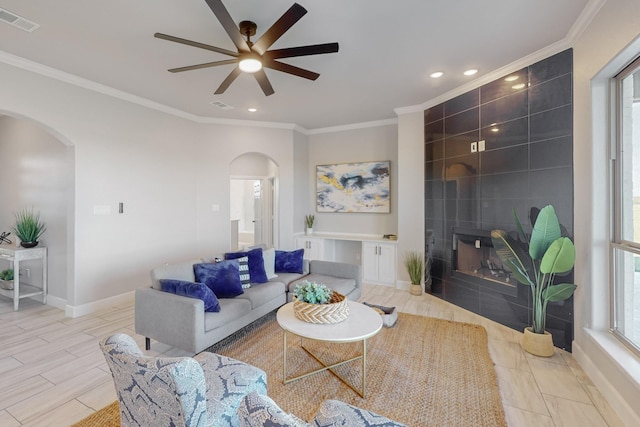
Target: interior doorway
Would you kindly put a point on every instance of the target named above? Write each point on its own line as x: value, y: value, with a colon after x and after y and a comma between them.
x: 253, y: 178
x: 251, y: 211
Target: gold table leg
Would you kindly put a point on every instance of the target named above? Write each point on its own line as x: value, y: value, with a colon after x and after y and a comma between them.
x: 363, y: 357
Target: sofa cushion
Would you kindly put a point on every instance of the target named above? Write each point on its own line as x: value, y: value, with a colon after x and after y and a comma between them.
x: 231, y: 309
x: 179, y: 270
x: 344, y: 286
x: 223, y: 278
x: 334, y: 413
x: 289, y: 261
x: 256, y: 264
x: 192, y: 290
x: 259, y: 295
x: 287, y: 278
x: 257, y: 410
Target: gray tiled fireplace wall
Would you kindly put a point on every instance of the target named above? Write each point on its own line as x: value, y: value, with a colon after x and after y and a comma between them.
x: 527, y: 162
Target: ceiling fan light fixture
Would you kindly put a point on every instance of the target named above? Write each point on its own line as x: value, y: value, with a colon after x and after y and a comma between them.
x: 250, y: 64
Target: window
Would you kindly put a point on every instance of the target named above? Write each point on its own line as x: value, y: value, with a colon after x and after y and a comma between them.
x: 626, y: 239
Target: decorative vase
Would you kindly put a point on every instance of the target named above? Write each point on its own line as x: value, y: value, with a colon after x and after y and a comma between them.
x: 29, y: 244
x: 537, y: 344
x: 309, y: 231
x: 415, y: 289
x: 6, y: 284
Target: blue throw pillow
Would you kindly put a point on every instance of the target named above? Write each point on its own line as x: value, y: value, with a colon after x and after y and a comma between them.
x: 192, y: 290
x: 223, y: 278
x: 289, y: 262
x: 256, y: 264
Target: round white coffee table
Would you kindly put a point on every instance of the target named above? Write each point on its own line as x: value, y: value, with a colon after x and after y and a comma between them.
x: 363, y: 323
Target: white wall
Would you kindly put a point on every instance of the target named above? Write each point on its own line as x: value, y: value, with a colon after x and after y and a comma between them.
x: 357, y: 145
x: 167, y: 171
x: 410, y: 187
x: 609, y: 42
x: 301, y: 180
x: 36, y: 171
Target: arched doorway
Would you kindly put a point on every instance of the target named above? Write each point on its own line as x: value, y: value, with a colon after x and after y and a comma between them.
x: 38, y: 171
x: 252, y: 202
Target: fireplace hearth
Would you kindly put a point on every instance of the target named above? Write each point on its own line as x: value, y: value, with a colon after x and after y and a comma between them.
x: 475, y: 260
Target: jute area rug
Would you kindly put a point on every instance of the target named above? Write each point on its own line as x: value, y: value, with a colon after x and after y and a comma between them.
x: 421, y: 372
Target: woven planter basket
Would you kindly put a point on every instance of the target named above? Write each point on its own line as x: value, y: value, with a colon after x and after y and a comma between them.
x: 335, y: 311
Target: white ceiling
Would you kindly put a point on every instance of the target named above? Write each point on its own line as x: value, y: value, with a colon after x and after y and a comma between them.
x: 387, y: 50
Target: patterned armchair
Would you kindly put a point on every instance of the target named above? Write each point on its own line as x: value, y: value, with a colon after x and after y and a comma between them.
x: 205, y: 390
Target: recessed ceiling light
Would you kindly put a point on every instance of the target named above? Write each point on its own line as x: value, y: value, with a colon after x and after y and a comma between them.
x: 252, y: 109
x: 511, y: 78
x: 495, y: 130
x: 436, y: 75
x: 470, y: 72
x: 518, y: 86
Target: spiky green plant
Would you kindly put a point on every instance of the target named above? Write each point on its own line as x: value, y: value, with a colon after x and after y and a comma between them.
x: 414, y: 262
x: 28, y: 226
x: 537, y: 263
x: 312, y: 293
x: 309, y: 220
x: 6, y: 274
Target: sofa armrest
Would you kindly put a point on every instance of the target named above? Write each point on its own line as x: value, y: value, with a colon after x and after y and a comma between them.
x: 169, y: 318
x: 337, y: 269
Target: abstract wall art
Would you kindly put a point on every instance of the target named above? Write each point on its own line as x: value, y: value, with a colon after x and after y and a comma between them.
x: 353, y: 187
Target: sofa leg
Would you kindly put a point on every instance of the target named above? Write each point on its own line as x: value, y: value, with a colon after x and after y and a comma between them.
x: 147, y: 343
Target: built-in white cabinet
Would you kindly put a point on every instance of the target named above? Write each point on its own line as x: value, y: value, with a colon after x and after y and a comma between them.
x: 314, y: 248
x: 379, y: 263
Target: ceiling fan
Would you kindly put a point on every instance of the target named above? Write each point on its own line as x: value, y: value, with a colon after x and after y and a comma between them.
x: 254, y: 57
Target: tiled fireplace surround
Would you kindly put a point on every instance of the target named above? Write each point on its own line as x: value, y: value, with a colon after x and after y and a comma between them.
x: 527, y: 125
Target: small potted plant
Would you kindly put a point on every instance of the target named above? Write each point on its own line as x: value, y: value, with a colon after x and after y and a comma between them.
x: 309, y: 220
x: 536, y: 263
x: 316, y: 303
x: 28, y: 227
x: 414, y: 263
x: 6, y: 279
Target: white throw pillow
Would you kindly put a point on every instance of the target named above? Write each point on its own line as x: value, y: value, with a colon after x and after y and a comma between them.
x: 269, y: 256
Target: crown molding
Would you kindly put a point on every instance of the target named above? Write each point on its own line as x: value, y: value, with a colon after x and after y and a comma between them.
x: 353, y: 126
x: 586, y: 16
x: 63, y: 76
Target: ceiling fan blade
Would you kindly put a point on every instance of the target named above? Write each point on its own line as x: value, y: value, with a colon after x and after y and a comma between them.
x: 229, y: 26
x: 227, y: 82
x: 290, y: 52
x: 285, y: 22
x: 205, y: 65
x: 290, y: 69
x: 264, y: 82
x: 195, y: 44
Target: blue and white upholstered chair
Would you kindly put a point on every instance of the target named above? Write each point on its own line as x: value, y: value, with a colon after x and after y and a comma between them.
x: 204, y: 390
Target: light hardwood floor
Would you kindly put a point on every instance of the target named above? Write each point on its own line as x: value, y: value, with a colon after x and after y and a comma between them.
x: 52, y: 372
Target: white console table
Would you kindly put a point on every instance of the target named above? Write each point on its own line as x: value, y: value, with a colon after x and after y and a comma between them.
x: 14, y: 255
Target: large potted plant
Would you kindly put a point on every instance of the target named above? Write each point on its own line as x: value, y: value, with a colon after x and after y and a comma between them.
x: 536, y: 262
x: 28, y: 227
x: 414, y: 263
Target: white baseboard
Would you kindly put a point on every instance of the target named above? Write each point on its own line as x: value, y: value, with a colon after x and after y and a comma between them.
x: 607, y: 389
x: 84, y: 309
x: 57, y: 302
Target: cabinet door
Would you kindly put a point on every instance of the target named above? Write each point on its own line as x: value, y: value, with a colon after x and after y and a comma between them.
x: 313, y: 247
x: 387, y: 263
x: 369, y: 262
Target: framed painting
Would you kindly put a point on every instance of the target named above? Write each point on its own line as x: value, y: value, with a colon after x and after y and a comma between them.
x: 353, y: 187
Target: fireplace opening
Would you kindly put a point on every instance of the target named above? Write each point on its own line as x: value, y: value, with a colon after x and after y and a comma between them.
x: 475, y: 260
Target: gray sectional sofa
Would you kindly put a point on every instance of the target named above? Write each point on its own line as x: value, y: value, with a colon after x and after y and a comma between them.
x: 182, y: 322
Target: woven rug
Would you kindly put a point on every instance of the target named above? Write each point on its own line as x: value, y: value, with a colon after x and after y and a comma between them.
x: 108, y: 416
x: 421, y: 372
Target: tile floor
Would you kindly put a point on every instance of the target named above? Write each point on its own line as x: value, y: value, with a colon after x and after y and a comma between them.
x: 53, y: 374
